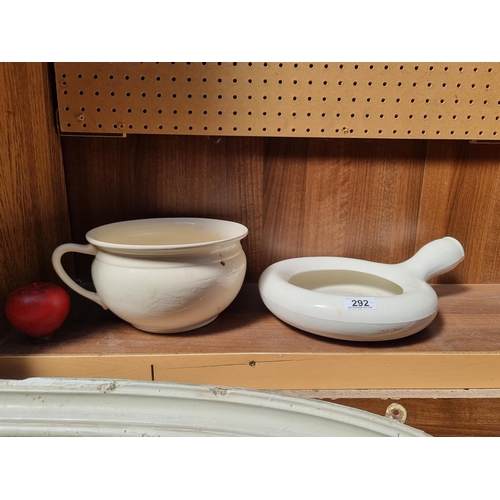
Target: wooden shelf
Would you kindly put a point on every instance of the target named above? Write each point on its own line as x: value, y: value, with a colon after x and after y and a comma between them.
x: 247, y: 346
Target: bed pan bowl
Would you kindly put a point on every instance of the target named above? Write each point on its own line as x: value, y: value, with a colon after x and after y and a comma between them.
x: 359, y: 300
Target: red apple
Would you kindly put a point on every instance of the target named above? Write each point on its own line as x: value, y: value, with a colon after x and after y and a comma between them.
x: 37, y: 310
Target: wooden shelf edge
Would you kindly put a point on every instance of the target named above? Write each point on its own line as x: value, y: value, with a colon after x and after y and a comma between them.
x: 275, y: 371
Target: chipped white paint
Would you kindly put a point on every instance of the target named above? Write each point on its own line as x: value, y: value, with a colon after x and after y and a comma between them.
x: 106, y: 407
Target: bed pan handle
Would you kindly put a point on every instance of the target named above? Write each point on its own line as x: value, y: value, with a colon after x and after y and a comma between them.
x: 435, y: 258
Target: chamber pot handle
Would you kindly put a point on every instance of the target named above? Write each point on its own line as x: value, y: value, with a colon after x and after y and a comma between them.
x: 56, y: 262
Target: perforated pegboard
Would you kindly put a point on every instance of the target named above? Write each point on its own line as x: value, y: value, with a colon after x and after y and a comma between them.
x: 397, y: 100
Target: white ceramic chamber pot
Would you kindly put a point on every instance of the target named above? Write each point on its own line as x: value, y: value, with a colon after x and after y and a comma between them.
x: 353, y: 299
x: 163, y: 275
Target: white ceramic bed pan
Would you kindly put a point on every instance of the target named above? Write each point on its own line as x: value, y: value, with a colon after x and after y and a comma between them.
x: 353, y: 299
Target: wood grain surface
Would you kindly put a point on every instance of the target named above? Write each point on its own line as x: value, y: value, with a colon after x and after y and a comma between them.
x: 33, y: 208
x: 379, y: 200
x: 440, y: 416
x: 468, y: 321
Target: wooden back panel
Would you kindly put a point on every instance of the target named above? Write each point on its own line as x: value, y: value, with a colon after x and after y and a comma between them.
x: 371, y: 199
x: 33, y: 209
